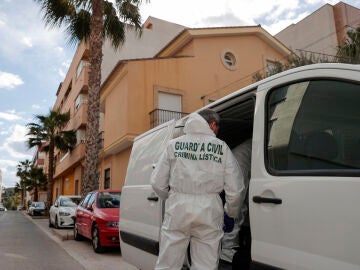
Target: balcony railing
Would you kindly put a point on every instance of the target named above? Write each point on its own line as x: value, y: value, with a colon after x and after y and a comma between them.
x: 101, y: 140
x: 159, y: 116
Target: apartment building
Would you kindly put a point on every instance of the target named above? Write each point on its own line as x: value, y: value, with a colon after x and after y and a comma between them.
x: 322, y: 31
x: 39, y: 160
x: 72, y: 94
x: 197, y: 67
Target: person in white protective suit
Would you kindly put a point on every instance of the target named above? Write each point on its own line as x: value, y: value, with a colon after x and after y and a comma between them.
x: 230, y: 240
x: 189, y: 175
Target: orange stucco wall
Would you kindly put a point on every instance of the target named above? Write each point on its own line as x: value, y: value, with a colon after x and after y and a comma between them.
x: 117, y: 164
x: 64, y: 185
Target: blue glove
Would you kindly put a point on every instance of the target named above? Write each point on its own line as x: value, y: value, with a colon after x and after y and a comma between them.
x: 228, y: 224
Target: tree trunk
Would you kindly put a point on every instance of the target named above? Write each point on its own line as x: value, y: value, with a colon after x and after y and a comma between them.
x: 50, y: 182
x: 36, y: 195
x: 23, y: 197
x: 90, y: 179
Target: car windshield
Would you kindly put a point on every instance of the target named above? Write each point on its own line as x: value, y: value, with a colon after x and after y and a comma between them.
x: 38, y: 204
x: 109, y: 200
x: 69, y: 202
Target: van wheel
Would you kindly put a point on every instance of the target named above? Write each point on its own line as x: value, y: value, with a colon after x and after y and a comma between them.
x: 77, y: 236
x: 96, y: 240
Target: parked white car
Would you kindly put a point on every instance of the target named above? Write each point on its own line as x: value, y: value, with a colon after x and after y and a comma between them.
x: 2, y: 207
x: 62, y: 212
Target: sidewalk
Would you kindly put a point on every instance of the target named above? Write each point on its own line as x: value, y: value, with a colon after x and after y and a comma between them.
x: 82, y: 250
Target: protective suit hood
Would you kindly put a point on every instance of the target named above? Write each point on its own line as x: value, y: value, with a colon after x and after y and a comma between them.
x: 197, y: 124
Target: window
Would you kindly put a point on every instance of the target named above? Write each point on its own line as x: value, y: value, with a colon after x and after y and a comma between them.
x: 228, y: 59
x: 81, y: 99
x: 80, y: 135
x: 107, y: 178
x: 314, y: 126
x: 91, y: 200
x: 109, y: 200
x: 69, y: 202
x: 170, y: 107
x: 85, y: 200
x: 81, y: 66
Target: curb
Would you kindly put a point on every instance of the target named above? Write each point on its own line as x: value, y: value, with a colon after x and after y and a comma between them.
x: 63, y: 235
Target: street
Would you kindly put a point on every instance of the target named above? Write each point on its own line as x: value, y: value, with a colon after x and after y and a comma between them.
x: 24, y: 246
x: 28, y: 243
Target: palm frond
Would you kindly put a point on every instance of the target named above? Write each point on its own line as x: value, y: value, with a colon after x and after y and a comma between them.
x: 55, y: 12
x: 79, y: 27
x: 130, y: 13
x: 113, y: 28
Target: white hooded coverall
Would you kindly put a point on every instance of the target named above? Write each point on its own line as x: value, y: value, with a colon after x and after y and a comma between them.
x: 189, y: 175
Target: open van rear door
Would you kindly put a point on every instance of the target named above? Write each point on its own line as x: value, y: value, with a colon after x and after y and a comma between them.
x: 141, y: 208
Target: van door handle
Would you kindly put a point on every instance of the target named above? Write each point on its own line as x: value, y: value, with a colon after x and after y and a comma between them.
x: 154, y: 198
x: 259, y: 199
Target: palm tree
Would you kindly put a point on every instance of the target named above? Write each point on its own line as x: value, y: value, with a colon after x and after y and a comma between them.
x: 22, y: 171
x: 349, y: 52
x: 49, y: 130
x: 93, y: 21
x: 37, y: 181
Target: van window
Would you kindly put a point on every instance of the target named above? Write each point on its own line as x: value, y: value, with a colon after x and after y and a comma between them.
x: 312, y: 126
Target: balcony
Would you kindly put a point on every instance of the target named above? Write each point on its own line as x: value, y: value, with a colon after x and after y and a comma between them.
x: 80, y: 116
x: 159, y: 116
x: 69, y: 160
x: 82, y: 81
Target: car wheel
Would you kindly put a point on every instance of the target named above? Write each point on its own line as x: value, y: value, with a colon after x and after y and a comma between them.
x: 56, y: 223
x: 96, y: 240
x: 50, y: 224
x: 77, y: 236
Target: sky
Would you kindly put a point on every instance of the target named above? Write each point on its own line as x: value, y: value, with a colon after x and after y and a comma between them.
x: 34, y: 59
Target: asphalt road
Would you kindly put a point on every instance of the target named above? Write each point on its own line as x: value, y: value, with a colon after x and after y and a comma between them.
x: 27, y: 243
x: 24, y: 246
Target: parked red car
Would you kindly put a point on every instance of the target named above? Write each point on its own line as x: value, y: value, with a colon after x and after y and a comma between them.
x: 97, y: 218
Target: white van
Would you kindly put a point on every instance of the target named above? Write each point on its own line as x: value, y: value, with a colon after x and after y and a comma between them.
x: 304, y: 193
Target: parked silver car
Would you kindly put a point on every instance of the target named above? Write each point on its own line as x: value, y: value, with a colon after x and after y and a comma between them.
x: 37, y: 209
